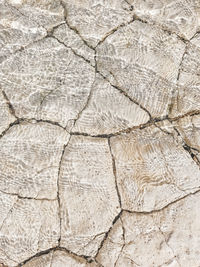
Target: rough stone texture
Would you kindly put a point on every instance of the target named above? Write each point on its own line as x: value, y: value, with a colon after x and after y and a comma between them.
x: 87, y: 186
x: 187, y: 97
x: 156, y: 239
x: 143, y: 61
x: 99, y: 133
x: 152, y: 169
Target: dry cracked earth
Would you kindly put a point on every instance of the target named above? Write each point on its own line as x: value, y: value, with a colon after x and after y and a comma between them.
x: 99, y: 133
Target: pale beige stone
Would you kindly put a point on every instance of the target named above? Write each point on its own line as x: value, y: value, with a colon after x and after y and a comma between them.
x: 23, y: 22
x: 189, y: 128
x: 6, y: 118
x: 50, y: 82
x: 187, y: 98
x: 180, y: 16
x: 16, y: 31
x: 95, y: 19
x: 45, y: 13
x: 30, y: 226
x: 152, y: 169
x: 109, y: 111
x: 166, y: 238
x: 143, y: 61
x: 71, y: 39
x: 112, y: 247
x: 30, y: 157
x: 59, y: 259
x: 89, y: 201
x: 99, y: 133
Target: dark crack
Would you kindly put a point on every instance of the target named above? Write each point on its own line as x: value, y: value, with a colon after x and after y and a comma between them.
x: 89, y: 96
x: 10, y: 106
x: 187, y: 148
x: 163, y: 208
x: 124, y: 242
x: 21, y: 197
x: 164, y: 29
x: 73, y: 28
x: 114, y: 173
x: 113, y: 31
x: 58, y: 187
x: 123, y: 92
x: 73, y: 51
x: 57, y: 248
x: 107, y: 233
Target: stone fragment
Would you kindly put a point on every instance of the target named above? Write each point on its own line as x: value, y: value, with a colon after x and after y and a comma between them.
x: 143, y: 61
x: 59, y: 258
x: 30, y: 226
x: 29, y: 159
x: 112, y: 247
x: 95, y: 19
x: 17, y: 30
x: 71, y: 39
x: 189, y: 128
x: 152, y: 169
x: 188, y: 95
x: 50, y: 82
x: 89, y: 201
x: 109, y: 111
x: 45, y: 13
x: 180, y: 16
x: 6, y: 118
x: 168, y: 238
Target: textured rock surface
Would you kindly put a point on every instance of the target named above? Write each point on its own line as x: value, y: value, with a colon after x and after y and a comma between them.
x: 99, y: 133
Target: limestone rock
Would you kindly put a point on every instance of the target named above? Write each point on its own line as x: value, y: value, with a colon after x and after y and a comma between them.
x: 30, y: 157
x: 109, y: 111
x: 95, y: 19
x: 112, y: 247
x: 143, y: 61
x: 6, y: 118
x: 189, y: 129
x: 71, y: 39
x: 157, y: 239
x: 99, y: 133
x: 152, y: 169
x: 180, y: 16
x: 17, y: 30
x: 87, y: 186
x: 187, y: 98
x: 30, y: 226
x: 59, y: 259
x: 49, y: 80
x: 45, y: 13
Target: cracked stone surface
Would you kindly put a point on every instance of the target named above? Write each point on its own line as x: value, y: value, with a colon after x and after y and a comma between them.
x: 99, y: 133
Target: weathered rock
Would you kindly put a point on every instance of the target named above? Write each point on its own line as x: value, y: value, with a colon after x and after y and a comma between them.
x: 71, y: 39
x: 89, y: 201
x: 189, y: 128
x: 143, y: 61
x: 99, y: 133
x: 180, y: 16
x: 109, y: 111
x: 30, y: 226
x: 95, y: 19
x: 152, y: 169
x: 112, y: 247
x: 187, y: 99
x: 17, y: 30
x: 59, y: 259
x: 50, y: 82
x: 157, y: 239
x: 30, y: 157
x: 45, y: 13
x: 6, y: 118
